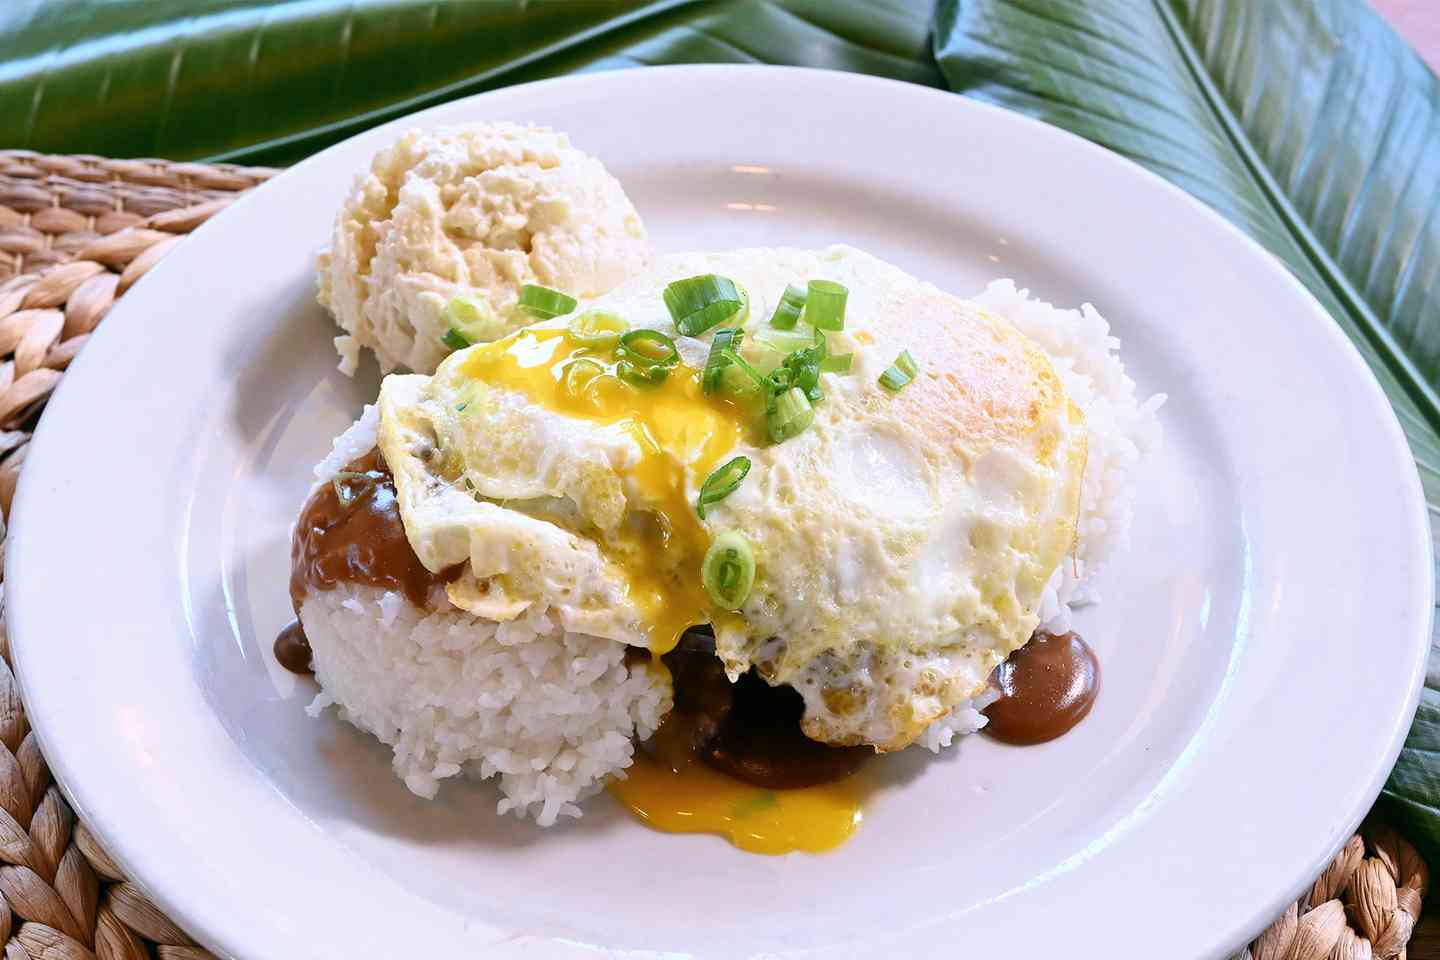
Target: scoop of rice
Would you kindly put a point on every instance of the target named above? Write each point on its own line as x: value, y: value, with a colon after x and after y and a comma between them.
x: 551, y: 714
x: 1123, y: 431
x: 479, y: 209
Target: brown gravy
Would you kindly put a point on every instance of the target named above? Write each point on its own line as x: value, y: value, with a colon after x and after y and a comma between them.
x: 292, y: 649
x: 350, y: 532
x: 1046, y: 688
x: 749, y: 729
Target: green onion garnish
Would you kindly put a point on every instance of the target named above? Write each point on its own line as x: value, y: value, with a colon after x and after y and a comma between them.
x: 837, y: 363
x: 544, y: 302
x: 728, y: 571
x: 899, y: 373
x: 473, y: 318
x: 716, y: 363
x: 648, y: 348
x: 788, y: 310
x: 648, y: 375
x: 893, y: 379
x: 698, y: 303
x: 579, y: 374
x: 791, y: 415
x: 722, y: 483
x: 907, y: 363
x: 801, y: 369
x: 455, y: 340
x: 785, y: 341
x: 598, y: 328
x: 825, y: 305
x: 740, y: 377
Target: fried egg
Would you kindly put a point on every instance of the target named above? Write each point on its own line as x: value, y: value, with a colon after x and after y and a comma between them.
x: 902, y: 543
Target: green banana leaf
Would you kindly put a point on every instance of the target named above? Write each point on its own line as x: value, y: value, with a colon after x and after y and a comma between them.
x: 1305, y: 122
x: 261, y: 81
x: 1309, y: 125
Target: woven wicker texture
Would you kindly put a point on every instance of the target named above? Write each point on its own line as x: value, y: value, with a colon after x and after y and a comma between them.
x: 1360, y: 907
x: 75, y: 234
x: 53, y: 209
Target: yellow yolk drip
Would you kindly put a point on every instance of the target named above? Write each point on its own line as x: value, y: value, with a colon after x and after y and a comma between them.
x: 676, y: 792
x: 677, y: 428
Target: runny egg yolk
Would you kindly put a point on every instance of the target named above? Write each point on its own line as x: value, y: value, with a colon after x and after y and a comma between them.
x: 674, y: 791
x: 676, y: 427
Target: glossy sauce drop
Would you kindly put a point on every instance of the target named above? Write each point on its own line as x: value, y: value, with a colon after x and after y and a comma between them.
x: 292, y: 649
x: 1046, y: 688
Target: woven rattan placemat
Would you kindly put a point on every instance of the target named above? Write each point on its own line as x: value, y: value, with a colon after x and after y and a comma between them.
x: 76, y: 232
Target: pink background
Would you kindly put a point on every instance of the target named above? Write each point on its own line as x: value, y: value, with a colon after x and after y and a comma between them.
x: 1417, y: 21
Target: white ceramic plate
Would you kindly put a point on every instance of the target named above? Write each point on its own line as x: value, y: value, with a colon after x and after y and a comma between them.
x: 1278, y: 583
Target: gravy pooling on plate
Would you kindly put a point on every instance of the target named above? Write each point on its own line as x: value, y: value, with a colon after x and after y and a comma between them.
x: 292, y: 649
x: 1046, y: 688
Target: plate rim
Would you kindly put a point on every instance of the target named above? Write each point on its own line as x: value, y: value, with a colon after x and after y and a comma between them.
x: 210, y: 925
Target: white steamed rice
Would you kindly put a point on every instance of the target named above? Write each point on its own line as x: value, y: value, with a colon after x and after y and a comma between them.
x: 553, y: 714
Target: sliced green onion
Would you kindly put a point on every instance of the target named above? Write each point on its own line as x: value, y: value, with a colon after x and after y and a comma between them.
x: 893, y: 379
x: 648, y: 348
x: 837, y: 363
x: 899, y: 373
x: 641, y: 375
x: 598, y: 328
x: 788, y: 310
x: 473, y: 318
x: 728, y: 572
x: 579, y: 374
x: 722, y: 483
x: 698, y: 303
x: 740, y: 382
x: 455, y: 340
x: 907, y: 364
x: 800, y: 368
x: 784, y: 341
x: 716, y: 363
x: 807, y: 376
x: 791, y: 415
x: 747, y: 372
x: 825, y: 305
x: 822, y: 345
x: 544, y: 302
x: 780, y: 380
x: 763, y: 358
